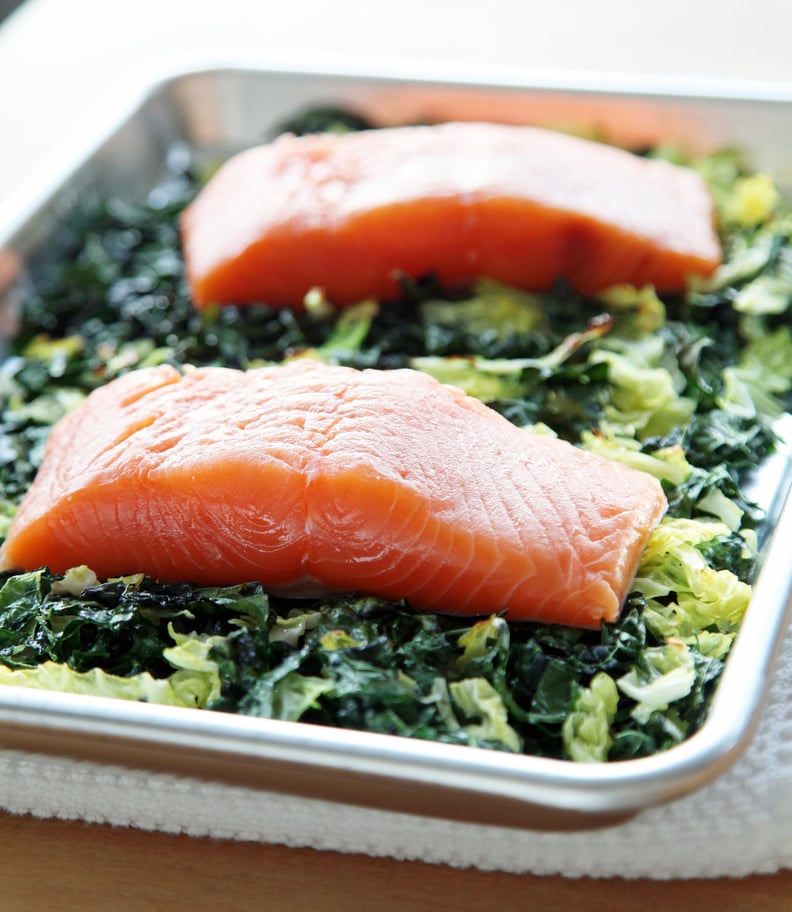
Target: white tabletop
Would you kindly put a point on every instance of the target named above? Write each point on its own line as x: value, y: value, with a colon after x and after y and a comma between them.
x: 59, y: 59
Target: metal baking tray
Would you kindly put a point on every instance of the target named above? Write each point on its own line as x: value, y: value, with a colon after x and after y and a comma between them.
x: 219, y: 109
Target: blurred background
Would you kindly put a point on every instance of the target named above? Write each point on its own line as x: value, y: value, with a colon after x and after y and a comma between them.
x: 7, y: 7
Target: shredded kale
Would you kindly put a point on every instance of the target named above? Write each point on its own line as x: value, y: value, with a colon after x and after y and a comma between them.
x: 326, y: 119
x: 687, y: 387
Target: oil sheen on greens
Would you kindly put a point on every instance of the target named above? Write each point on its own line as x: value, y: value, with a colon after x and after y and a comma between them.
x: 687, y: 387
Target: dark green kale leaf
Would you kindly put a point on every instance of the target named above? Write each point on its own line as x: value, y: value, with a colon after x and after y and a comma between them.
x: 324, y: 119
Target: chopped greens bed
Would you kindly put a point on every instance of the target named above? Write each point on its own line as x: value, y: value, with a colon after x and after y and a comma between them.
x: 687, y: 387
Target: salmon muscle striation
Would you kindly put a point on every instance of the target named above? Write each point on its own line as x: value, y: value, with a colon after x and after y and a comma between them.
x: 351, y: 214
x: 313, y: 479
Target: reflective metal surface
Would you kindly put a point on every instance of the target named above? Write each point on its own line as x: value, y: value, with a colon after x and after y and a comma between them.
x: 218, y: 110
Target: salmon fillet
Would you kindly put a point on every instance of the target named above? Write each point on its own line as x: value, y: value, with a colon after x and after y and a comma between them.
x: 313, y: 478
x: 350, y: 214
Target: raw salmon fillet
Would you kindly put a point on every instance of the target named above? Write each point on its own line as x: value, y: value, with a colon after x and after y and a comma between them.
x: 313, y: 478
x: 350, y: 214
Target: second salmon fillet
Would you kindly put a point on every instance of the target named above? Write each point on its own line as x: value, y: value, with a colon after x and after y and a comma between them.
x: 313, y: 478
x: 353, y: 214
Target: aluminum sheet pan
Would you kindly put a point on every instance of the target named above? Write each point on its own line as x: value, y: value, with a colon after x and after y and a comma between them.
x: 219, y: 109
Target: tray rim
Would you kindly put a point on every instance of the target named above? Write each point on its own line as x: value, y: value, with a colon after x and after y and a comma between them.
x: 130, y: 93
